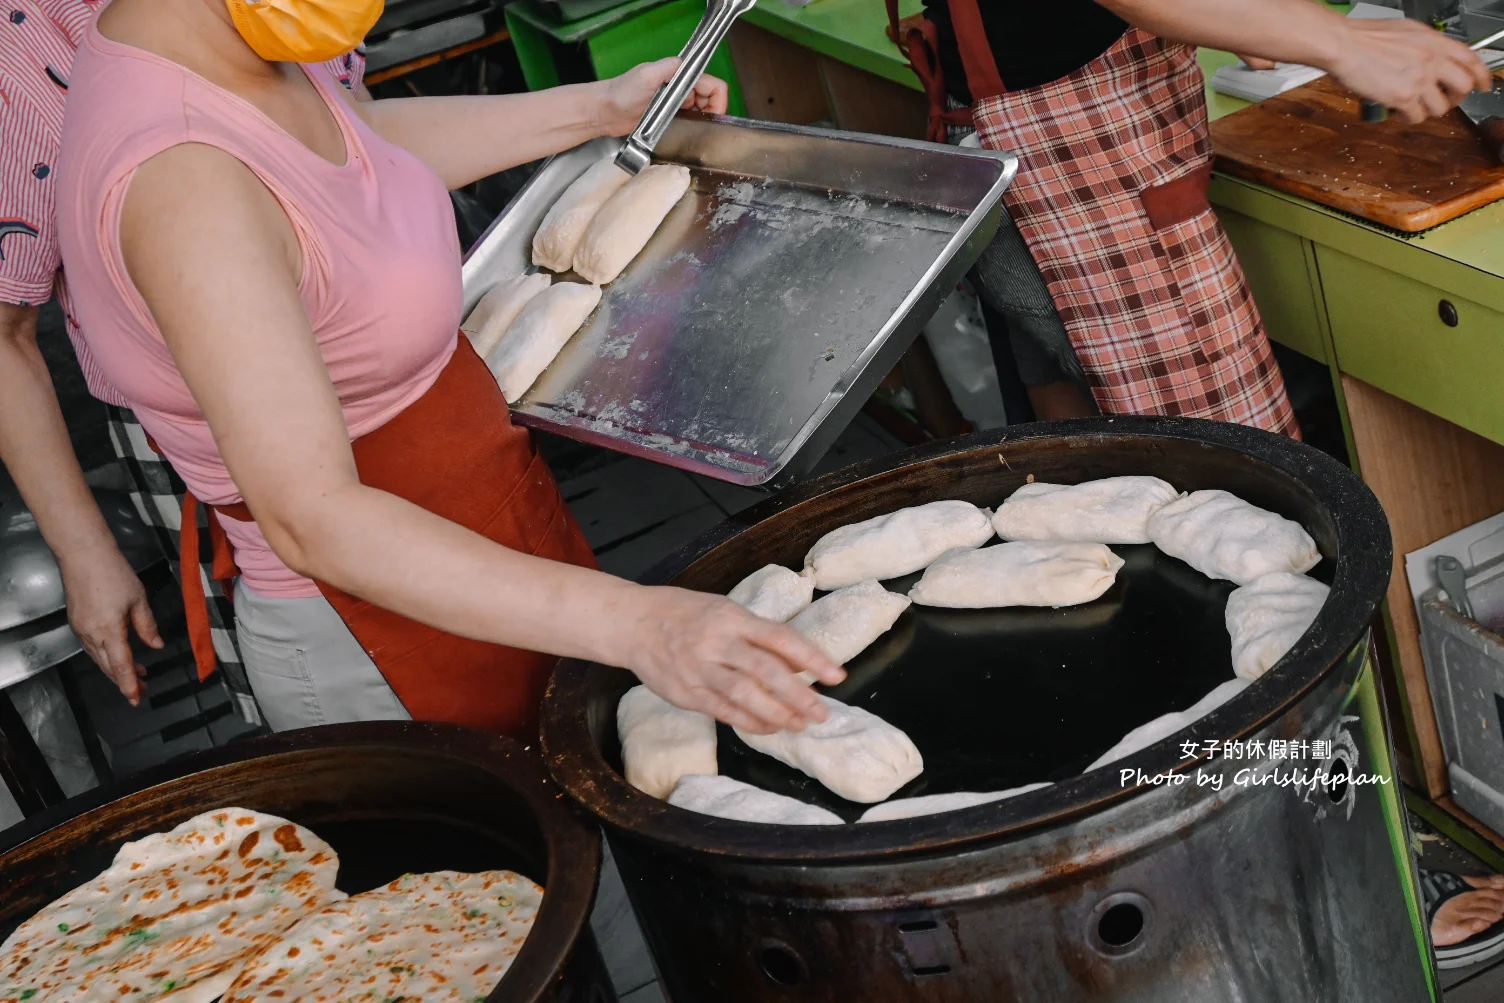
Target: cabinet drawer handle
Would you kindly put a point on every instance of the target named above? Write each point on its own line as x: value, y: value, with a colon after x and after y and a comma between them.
x: 1447, y: 312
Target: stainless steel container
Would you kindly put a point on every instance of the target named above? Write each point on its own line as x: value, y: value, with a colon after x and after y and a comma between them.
x: 34, y: 631
x: 1097, y: 887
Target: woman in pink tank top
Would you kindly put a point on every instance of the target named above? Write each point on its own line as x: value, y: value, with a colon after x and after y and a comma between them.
x: 270, y: 275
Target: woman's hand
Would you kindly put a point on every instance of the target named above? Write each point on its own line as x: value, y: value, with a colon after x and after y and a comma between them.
x: 105, y: 602
x: 705, y: 653
x: 625, y: 98
x: 1408, y: 66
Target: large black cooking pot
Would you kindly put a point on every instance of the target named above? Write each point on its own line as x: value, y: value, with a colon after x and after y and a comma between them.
x: 1096, y: 887
x: 390, y: 797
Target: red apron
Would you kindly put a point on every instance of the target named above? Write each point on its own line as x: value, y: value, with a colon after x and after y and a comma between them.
x: 1111, y: 197
x: 454, y: 452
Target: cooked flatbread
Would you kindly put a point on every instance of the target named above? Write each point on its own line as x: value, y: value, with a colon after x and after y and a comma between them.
x: 443, y: 937
x: 173, y: 910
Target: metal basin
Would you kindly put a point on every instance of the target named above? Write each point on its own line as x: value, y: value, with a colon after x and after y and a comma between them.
x: 1096, y: 887
x: 390, y: 797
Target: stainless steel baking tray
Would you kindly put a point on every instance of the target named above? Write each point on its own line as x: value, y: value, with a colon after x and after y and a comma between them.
x: 772, y: 300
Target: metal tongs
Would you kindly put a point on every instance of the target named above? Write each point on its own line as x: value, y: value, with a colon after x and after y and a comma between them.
x: 712, y: 29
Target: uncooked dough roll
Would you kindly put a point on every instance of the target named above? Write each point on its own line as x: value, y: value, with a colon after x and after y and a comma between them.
x: 661, y: 743
x: 934, y: 804
x: 895, y: 544
x: 724, y: 797
x: 1145, y: 735
x: 774, y: 592
x: 1267, y: 616
x: 499, y: 307
x: 843, y: 623
x: 537, y: 335
x: 854, y: 752
x: 1026, y: 573
x: 628, y: 220
x: 559, y: 234
x: 1222, y: 536
x: 1110, y: 510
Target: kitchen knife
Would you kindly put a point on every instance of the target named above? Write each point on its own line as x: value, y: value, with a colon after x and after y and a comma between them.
x: 1485, y: 109
x: 1375, y: 111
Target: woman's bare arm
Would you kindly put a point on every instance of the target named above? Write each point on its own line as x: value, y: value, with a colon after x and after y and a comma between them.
x: 1404, y: 64
x: 468, y: 137
x: 216, y: 261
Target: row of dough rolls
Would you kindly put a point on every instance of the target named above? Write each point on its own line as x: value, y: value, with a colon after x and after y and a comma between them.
x: 600, y: 223
x: 1054, y: 554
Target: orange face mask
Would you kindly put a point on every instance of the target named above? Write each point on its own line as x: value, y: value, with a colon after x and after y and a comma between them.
x: 303, y: 31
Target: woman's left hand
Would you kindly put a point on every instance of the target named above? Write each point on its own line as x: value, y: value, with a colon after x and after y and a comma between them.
x: 625, y: 98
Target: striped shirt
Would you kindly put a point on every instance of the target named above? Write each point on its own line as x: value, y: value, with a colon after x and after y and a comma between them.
x: 37, y: 42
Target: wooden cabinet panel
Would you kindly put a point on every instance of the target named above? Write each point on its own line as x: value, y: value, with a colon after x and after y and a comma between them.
x: 1394, y: 333
x: 1433, y: 479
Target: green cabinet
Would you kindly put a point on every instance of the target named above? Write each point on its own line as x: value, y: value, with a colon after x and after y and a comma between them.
x: 1278, y: 266
x: 1438, y: 351
x: 611, y: 42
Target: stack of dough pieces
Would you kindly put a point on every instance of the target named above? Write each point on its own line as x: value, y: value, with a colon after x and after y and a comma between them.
x: 724, y: 797
x: 934, y: 804
x: 853, y: 752
x: 845, y: 622
x: 1223, y: 536
x: 1267, y: 616
x: 540, y: 331
x: 1026, y: 573
x: 564, y: 226
x: 1166, y: 725
x: 896, y: 544
x: 442, y: 937
x: 499, y: 307
x: 628, y: 220
x: 161, y: 920
x: 661, y: 743
x: 1110, y: 510
x: 774, y: 592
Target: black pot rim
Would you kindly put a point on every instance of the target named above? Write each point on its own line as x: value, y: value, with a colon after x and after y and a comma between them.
x: 569, y: 891
x: 1360, y: 579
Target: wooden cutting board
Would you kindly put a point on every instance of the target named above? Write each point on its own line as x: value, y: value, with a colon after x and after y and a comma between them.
x: 1310, y: 141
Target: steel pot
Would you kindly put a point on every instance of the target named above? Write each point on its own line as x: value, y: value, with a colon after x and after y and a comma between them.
x: 1095, y: 888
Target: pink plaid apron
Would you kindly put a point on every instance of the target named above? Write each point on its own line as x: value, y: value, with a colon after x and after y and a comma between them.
x: 1111, y: 198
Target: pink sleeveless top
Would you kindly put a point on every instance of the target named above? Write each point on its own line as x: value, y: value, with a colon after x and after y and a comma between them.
x: 380, y: 258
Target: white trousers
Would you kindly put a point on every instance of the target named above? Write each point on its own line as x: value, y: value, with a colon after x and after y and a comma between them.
x: 305, y: 666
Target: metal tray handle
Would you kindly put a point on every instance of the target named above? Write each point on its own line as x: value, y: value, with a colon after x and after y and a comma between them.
x: 712, y: 29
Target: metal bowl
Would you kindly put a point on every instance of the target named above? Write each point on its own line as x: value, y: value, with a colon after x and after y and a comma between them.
x: 390, y: 797
x: 31, y: 584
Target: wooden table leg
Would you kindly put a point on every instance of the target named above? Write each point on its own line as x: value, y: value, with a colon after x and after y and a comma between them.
x: 22, y: 765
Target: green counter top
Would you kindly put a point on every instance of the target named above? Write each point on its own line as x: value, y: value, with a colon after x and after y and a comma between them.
x: 852, y: 31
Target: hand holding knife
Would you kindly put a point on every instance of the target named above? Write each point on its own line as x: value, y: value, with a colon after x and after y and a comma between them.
x: 1374, y: 111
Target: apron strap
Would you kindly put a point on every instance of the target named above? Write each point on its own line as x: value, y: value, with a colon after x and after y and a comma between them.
x: 919, y: 40
x: 982, y: 76
x: 222, y: 569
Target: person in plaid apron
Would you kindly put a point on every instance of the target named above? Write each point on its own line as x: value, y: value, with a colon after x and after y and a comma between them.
x: 105, y: 599
x: 1105, y: 105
